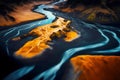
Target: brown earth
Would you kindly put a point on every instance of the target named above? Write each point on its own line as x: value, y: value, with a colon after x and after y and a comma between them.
x: 23, y: 13
x: 92, y: 13
x: 97, y: 67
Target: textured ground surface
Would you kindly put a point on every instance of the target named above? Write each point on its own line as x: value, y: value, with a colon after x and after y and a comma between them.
x: 97, y: 67
x: 21, y: 14
x: 38, y: 45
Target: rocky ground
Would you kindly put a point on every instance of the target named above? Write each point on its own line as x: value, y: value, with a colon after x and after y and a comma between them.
x: 93, y: 12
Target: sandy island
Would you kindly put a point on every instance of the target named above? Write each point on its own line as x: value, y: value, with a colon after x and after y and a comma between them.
x: 45, y: 34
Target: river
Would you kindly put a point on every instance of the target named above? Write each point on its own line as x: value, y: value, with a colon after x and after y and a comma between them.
x: 95, y: 39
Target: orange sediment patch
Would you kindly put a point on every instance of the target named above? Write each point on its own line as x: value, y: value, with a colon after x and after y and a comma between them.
x: 70, y: 36
x: 32, y: 48
x: 38, y: 45
x: 97, y: 67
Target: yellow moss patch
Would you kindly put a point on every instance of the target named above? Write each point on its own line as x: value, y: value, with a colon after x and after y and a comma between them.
x: 92, y: 17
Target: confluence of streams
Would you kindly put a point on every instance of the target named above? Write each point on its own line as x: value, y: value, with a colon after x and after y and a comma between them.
x: 51, y: 73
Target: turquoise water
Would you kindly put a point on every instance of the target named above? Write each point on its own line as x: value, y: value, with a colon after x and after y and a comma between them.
x: 94, y: 39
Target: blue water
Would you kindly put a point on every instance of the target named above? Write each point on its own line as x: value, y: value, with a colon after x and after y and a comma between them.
x: 11, y: 33
x: 105, y: 35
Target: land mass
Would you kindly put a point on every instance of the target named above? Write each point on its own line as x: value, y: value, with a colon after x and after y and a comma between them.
x: 96, y: 67
x: 44, y: 35
x: 16, y: 14
x: 100, y: 11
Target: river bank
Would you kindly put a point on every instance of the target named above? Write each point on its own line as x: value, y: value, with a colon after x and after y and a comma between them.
x: 21, y: 14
